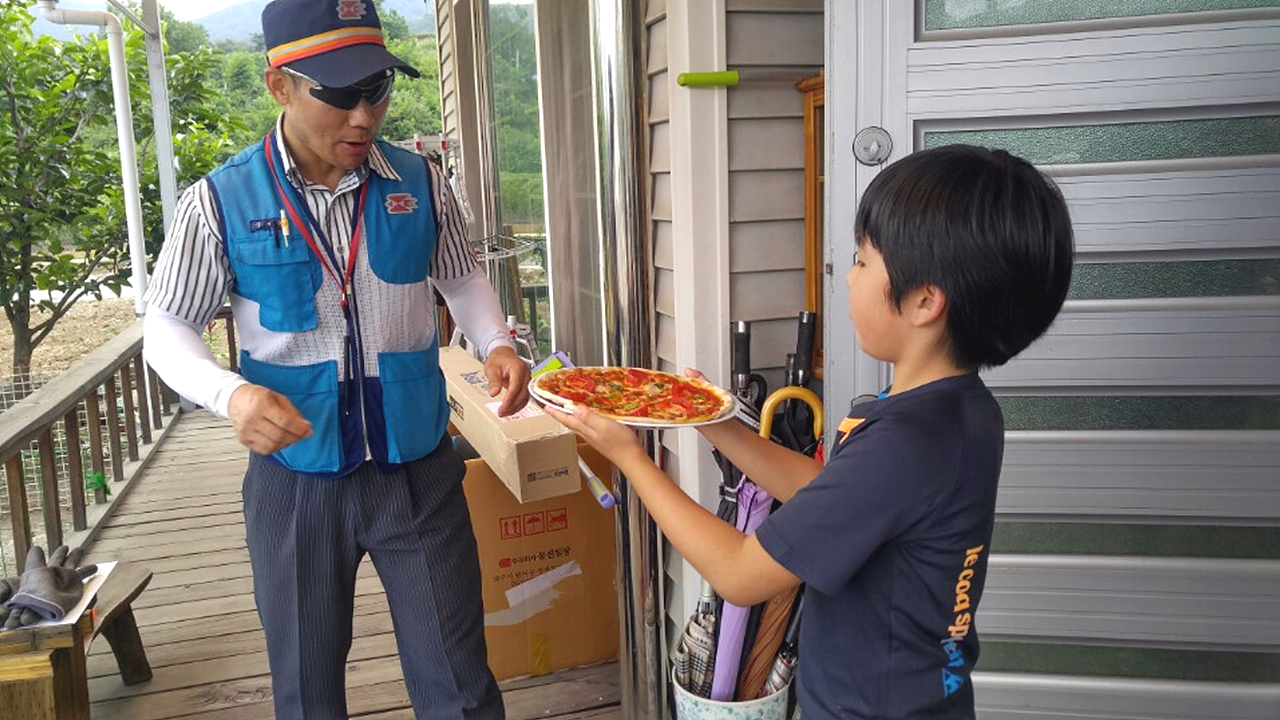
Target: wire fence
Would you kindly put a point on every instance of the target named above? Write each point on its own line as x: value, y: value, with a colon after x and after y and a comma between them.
x: 12, y: 392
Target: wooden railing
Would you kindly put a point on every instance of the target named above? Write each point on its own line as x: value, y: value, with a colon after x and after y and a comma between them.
x: 126, y: 414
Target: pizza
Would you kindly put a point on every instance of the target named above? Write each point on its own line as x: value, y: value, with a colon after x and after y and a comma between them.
x: 635, y: 394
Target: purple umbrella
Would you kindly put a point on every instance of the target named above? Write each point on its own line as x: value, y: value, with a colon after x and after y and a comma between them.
x: 753, y: 508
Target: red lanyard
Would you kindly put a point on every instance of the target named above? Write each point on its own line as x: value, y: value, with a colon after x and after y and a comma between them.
x: 344, y: 282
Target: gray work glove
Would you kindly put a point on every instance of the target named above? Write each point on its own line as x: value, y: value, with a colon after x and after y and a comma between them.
x: 8, y: 588
x: 47, y: 590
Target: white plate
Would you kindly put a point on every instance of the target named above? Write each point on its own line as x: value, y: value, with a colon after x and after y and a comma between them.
x: 732, y: 412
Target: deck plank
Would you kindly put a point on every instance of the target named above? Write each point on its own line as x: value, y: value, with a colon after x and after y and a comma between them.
x: 183, y: 520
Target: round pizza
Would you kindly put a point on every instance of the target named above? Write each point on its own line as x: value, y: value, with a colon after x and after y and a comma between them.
x: 635, y: 394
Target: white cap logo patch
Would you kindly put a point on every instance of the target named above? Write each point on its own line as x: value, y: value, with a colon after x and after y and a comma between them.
x: 350, y: 9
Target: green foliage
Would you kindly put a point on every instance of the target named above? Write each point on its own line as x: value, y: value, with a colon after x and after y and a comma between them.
x: 97, y: 481
x: 514, y: 63
x: 394, y: 26
x: 415, y: 104
x: 62, y: 221
x: 181, y: 36
x: 520, y: 195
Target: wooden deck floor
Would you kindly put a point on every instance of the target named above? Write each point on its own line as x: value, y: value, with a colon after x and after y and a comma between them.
x: 182, y: 519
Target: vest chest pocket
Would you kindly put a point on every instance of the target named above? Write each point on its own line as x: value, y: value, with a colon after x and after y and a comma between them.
x: 282, y: 280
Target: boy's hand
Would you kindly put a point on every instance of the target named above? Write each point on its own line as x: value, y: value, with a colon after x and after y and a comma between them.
x: 614, y: 440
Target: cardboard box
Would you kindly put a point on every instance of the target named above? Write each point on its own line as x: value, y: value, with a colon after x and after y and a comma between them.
x: 532, y: 453
x: 547, y: 568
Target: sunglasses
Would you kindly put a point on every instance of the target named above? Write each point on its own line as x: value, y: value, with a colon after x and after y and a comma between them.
x: 376, y: 89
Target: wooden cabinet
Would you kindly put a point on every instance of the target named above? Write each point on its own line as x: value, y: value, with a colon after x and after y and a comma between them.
x: 814, y: 186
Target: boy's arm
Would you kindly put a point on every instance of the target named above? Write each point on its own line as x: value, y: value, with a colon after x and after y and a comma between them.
x: 735, y: 564
x: 779, y: 470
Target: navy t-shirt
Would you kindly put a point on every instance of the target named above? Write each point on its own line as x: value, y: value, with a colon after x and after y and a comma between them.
x: 892, y: 539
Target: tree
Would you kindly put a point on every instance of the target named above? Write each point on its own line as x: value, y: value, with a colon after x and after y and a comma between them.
x: 62, y: 222
x: 394, y: 26
x: 182, y: 36
x: 514, y: 68
x: 415, y: 104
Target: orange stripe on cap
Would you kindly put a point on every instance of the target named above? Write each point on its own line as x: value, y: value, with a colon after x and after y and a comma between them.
x: 323, y: 43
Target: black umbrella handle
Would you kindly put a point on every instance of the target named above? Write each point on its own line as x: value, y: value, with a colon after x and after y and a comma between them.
x: 741, y: 359
x: 804, y: 347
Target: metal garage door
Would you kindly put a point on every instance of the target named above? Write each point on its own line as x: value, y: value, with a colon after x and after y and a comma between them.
x: 1137, y: 566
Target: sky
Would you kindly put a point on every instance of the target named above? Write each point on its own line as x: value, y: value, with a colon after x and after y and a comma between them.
x: 182, y: 9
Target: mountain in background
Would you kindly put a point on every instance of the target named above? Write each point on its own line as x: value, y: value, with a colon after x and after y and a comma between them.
x: 240, y: 21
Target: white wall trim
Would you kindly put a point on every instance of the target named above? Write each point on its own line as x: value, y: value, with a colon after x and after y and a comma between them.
x: 700, y: 226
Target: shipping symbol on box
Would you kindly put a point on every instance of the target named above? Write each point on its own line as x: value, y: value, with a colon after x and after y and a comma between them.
x: 535, y: 523
x: 557, y: 519
x: 509, y: 527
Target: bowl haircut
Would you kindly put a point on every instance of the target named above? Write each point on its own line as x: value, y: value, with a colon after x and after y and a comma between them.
x: 987, y: 228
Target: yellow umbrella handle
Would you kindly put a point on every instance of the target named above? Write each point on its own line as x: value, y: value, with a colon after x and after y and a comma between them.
x: 791, y: 392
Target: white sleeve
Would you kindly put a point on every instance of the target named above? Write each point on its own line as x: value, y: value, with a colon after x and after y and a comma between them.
x: 174, y: 349
x: 475, y: 308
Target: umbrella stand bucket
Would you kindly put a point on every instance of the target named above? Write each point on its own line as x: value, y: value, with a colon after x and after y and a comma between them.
x: 692, y: 707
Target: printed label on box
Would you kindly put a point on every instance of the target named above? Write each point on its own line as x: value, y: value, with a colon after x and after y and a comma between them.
x: 528, y: 411
x: 456, y: 408
x: 520, y: 568
x: 553, y: 473
x: 477, y: 380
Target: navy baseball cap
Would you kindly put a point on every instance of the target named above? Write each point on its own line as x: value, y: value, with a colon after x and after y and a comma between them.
x: 334, y: 42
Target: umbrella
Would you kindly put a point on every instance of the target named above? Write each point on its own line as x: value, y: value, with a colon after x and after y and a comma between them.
x: 695, y: 654
x: 759, y: 657
x: 785, y: 665
x: 753, y: 507
x: 764, y: 651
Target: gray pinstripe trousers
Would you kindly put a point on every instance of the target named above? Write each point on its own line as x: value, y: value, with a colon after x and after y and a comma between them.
x: 306, y: 538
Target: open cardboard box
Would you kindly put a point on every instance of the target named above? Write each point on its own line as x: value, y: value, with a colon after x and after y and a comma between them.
x: 532, y: 453
x: 547, y: 570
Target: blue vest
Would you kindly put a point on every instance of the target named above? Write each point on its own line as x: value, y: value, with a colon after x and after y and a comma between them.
x: 401, y: 412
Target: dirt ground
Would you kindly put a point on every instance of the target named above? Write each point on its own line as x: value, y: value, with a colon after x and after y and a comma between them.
x: 79, y: 332
x: 89, y: 324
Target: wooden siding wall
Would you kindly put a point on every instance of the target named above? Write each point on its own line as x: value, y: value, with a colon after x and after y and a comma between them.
x: 447, y: 49
x: 766, y: 172
x: 766, y: 194
x: 658, y: 114
x: 458, y: 94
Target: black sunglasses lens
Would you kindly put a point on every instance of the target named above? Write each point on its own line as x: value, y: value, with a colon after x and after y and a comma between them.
x: 341, y: 98
x: 379, y: 91
x: 346, y: 98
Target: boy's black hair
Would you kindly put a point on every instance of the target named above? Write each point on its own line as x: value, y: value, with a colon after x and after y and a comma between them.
x: 984, y: 226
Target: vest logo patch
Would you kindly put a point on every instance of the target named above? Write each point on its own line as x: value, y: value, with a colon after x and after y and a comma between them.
x: 401, y: 203
x: 351, y: 9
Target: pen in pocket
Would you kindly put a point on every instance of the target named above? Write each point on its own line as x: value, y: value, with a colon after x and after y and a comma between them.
x: 284, y: 226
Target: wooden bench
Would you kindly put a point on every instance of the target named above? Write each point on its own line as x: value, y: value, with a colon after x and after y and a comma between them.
x: 42, y: 669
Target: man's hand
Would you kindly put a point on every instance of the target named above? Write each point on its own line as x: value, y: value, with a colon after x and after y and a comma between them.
x: 265, y: 421
x: 506, y: 370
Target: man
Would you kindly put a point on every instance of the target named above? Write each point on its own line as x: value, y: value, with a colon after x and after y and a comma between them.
x: 329, y: 242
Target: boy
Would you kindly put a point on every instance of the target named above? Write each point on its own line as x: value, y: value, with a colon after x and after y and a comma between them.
x: 963, y: 259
